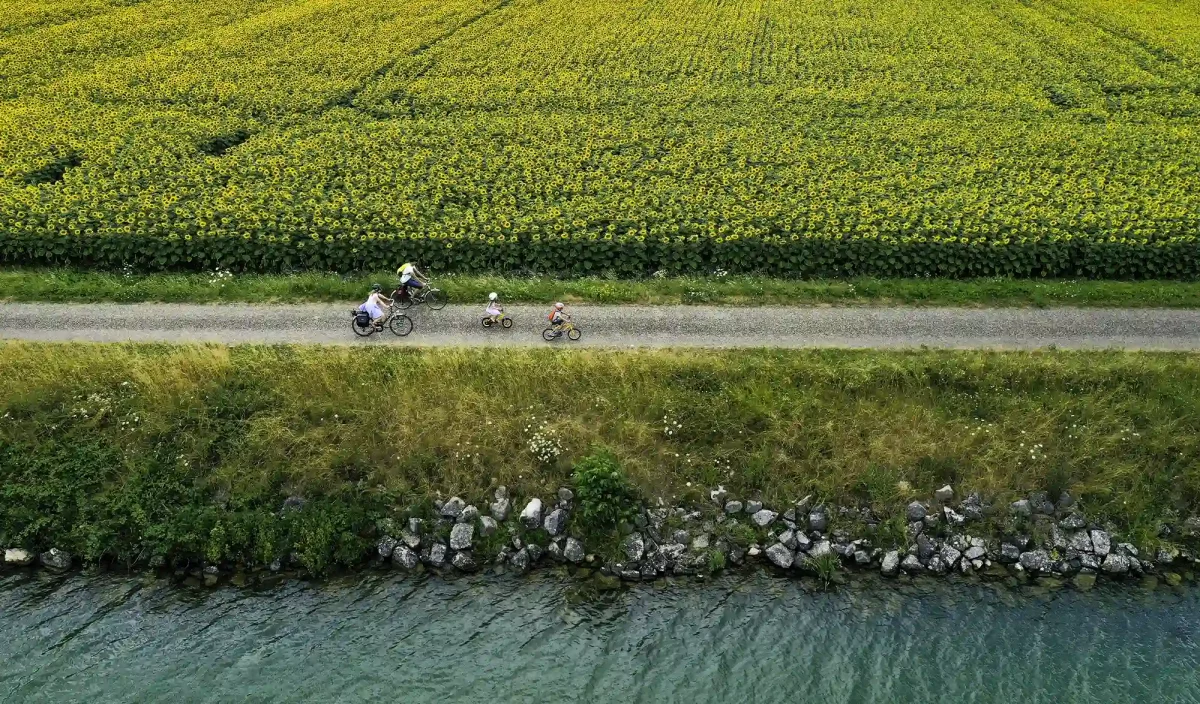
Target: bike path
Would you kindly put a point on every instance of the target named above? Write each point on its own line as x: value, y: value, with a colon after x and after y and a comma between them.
x: 620, y: 326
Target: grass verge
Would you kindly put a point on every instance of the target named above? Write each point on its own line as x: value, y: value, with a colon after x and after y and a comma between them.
x: 67, y: 285
x: 141, y: 452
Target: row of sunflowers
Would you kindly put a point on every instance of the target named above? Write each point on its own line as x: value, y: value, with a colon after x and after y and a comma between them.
x: 886, y: 137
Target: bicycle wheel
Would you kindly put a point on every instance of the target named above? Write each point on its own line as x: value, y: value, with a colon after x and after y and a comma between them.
x: 487, y: 322
x: 574, y: 334
x: 403, y: 300
x: 435, y: 299
x: 506, y: 322
x: 359, y: 330
x: 548, y: 335
x: 401, y: 325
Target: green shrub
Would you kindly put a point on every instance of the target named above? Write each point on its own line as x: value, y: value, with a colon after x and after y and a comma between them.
x: 78, y: 495
x: 716, y: 561
x: 603, y: 495
x: 332, y: 533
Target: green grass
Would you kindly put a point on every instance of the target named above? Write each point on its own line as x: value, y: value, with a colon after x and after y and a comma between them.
x: 81, y: 286
x: 138, y: 451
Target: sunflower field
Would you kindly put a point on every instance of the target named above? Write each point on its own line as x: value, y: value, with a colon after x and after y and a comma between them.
x: 807, y: 138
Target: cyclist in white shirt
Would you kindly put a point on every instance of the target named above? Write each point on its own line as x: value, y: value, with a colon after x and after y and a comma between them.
x: 376, y: 306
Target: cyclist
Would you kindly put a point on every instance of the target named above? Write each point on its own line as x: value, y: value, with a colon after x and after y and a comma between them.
x: 375, y: 306
x: 411, y: 277
x: 494, y: 309
x: 557, y: 317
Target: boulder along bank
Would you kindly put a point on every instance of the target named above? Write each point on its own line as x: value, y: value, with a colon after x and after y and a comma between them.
x: 1035, y: 537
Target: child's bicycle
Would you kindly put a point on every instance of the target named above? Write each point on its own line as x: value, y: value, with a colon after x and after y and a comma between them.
x: 502, y: 320
x: 399, y: 323
x: 551, y: 333
x: 430, y: 296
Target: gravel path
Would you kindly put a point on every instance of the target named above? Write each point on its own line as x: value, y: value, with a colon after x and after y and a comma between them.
x: 621, y: 326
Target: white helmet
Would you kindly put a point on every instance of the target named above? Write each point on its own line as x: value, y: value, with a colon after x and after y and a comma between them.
x: 492, y: 296
x: 558, y: 306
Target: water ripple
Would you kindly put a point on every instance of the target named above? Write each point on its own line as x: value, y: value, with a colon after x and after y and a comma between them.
x: 385, y: 637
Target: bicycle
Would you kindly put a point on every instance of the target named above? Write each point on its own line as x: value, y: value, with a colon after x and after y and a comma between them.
x: 430, y: 296
x: 399, y: 323
x: 502, y: 320
x: 573, y: 333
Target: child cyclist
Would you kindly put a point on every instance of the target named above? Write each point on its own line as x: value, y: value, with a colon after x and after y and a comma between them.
x: 494, y: 309
x: 558, y: 316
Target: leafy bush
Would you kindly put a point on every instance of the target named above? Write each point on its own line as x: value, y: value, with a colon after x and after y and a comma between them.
x: 716, y: 561
x: 603, y: 495
x: 78, y: 495
x: 333, y: 532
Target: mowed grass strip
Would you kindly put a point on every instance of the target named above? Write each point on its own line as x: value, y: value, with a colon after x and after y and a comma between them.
x: 136, y: 451
x: 65, y: 285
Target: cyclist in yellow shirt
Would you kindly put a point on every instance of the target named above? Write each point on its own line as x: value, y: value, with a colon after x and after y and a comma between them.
x: 411, y: 276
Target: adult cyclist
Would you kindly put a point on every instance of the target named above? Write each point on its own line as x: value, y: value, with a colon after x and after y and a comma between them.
x: 376, y: 306
x: 411, y: 277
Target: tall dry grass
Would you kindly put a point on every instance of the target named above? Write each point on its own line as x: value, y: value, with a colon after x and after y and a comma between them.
x: 1120, y: 430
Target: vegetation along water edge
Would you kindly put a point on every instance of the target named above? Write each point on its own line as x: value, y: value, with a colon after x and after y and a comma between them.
x: 236, y: 461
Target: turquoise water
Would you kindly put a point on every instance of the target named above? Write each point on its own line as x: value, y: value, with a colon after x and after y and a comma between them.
x: 749, y: 638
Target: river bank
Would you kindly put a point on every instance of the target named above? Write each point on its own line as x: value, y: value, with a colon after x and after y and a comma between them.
x: 1031, y: 539
x: 218, y: 461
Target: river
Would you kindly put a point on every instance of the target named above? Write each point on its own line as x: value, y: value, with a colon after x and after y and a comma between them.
x: 383, y: 637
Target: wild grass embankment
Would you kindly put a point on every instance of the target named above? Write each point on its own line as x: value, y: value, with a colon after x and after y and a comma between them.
x: 68, y: 285
x: 141, y: 452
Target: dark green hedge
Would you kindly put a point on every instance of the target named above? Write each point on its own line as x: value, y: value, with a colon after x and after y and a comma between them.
x: 79, y: 493
x: 630, y: 257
